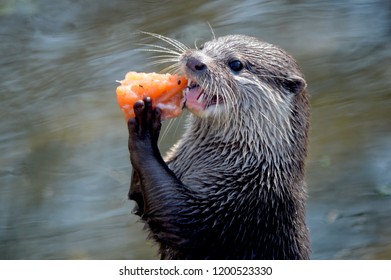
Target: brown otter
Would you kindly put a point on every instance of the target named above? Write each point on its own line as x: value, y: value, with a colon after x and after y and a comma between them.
x: 233, y: 186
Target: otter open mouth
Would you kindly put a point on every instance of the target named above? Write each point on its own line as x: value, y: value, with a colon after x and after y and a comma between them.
x: 197, y: 99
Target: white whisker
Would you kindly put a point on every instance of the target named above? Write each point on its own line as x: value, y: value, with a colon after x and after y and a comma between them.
x: 195, y: 44
x: 162, y: 61
x: 164, y: 56
x: 170, y: 69
x: 159, y: 49
x: 211, y: 30
x: 165, y: 131
x: 176, y: 44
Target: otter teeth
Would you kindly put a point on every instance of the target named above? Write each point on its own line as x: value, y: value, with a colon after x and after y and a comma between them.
x: 200, y: 98
x: 198, y: 94
x: 192, y: 84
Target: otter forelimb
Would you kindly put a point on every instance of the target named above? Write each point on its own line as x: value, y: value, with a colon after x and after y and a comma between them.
x: 154, y: 187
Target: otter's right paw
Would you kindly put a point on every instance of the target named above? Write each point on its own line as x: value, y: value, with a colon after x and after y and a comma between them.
x: 144, y: 130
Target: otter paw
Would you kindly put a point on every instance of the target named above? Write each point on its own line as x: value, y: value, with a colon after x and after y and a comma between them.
x: 144, y: 128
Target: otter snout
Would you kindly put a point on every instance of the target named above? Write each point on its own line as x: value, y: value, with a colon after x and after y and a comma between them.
x: 195, y: 65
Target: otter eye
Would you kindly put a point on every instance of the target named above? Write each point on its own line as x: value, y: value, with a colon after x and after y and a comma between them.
x: 235, y: 65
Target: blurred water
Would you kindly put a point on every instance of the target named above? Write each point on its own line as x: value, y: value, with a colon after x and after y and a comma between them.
x: 64, y: 167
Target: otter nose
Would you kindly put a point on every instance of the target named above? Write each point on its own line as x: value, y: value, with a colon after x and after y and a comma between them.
x: 195, y: 64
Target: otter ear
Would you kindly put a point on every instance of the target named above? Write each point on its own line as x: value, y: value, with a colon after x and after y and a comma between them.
x: 294, y: 84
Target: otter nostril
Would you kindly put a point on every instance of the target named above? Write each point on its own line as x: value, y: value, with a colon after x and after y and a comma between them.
x: 199, y: 67
x: 195, y: 64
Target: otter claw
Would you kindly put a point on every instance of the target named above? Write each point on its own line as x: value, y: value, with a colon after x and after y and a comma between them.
x: 138, y: 107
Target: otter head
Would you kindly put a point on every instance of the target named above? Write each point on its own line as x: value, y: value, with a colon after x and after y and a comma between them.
x: 238, y: 74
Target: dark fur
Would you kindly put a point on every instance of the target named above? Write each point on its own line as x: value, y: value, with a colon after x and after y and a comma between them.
x: 213, y: 200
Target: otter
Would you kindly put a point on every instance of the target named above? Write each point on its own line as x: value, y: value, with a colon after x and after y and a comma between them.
x: 233, y: 186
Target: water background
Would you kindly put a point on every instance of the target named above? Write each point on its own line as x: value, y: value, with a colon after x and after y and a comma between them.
x: 64, y: 166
